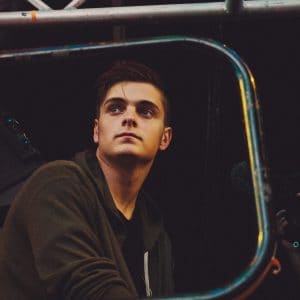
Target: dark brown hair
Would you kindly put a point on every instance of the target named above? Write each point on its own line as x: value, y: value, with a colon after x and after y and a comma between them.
x: 129, y: 71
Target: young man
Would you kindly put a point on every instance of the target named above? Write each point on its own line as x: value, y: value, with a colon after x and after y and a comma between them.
x: 83, y: 229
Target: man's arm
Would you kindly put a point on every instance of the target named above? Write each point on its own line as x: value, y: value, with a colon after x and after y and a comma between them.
x: 68, y: 253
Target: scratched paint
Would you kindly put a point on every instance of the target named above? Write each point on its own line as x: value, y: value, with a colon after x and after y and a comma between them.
x: 33, y: 16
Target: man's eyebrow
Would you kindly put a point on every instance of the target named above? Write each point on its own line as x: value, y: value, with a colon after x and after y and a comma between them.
x: 140, y: 102
x: 113, y: 99
x: 149, y: 103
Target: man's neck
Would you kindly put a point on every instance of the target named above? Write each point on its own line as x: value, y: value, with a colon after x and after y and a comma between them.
x: 124, y: 182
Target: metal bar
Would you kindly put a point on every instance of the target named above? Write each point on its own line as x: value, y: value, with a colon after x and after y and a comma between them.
x: 74, y: 4
x: 148, y: 13
x: 39, y: 4
x: 234, y: 7
x: 119, y: 31
x: 262, y: 260
x: 272, y: 7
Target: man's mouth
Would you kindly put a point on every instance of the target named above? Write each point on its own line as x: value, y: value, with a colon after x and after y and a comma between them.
x: 128, y: 134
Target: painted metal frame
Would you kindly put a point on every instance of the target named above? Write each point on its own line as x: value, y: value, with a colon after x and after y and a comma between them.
x: 263, y: 259
x: 149, y: 13
x: 75, y: 4
x: 40, y: 5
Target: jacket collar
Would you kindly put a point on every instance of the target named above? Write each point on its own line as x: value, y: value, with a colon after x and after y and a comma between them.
x: 145, y: 208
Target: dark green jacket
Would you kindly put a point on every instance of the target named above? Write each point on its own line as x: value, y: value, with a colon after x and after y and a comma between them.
x: 63, y: 234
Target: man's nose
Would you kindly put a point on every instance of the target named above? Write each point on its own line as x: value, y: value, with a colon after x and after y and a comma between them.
x: 130, y: 118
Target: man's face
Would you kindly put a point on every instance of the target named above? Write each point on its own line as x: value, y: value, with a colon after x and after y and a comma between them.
x: 131, y: 122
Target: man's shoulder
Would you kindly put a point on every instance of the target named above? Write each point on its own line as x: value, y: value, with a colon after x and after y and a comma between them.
x: 57, y: 181
x: 59, y: 168
x: 59, y: 173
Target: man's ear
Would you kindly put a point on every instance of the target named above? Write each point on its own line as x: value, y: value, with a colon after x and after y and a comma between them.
x: 166, y: 138
x: 96, y: 131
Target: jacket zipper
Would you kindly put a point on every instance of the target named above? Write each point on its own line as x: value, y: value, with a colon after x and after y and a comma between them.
x: 146, y: 274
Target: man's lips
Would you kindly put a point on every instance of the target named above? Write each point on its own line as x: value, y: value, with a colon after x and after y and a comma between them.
x: 126, y: 134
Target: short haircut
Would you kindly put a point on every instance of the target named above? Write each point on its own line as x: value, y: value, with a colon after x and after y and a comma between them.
x: 129, y: 71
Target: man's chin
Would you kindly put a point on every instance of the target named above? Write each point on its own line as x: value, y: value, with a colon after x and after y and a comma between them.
x: 130, y: 157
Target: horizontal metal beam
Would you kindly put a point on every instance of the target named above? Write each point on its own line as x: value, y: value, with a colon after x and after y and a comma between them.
x: 150, y: 13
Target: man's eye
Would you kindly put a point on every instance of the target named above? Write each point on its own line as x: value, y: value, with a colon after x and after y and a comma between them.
x: 115, y: 108
x: 146, y: 112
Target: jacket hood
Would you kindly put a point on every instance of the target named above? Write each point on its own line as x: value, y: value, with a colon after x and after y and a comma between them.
x: 149, y: 213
